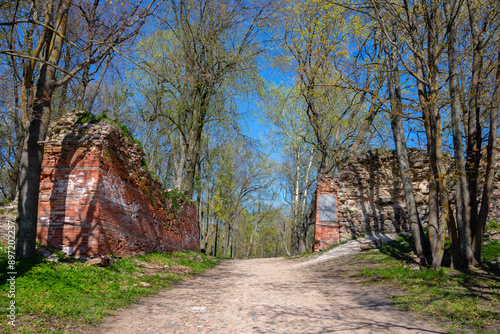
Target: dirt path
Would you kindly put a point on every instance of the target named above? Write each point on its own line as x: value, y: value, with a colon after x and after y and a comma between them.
x: 263, y: 296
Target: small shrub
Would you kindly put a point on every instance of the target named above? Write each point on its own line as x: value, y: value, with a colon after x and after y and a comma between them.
x: 176, y: 197
x: 90, y: 118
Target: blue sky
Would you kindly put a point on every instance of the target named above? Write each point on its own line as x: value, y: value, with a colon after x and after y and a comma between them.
x: 249, y: 106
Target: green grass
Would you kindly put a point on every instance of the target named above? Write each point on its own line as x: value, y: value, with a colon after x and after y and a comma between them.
x: 465, y: 300
x: 52, y: 297
x: 491, y: 250
x: 492, y: 225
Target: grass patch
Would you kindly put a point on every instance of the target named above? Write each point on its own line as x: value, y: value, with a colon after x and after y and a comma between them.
x: 56, y: 297
x: 464, y: 300
x: 491, y: 250
x: 492, y: 225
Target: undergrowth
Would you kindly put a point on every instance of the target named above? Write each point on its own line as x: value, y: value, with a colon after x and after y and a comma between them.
x: 465, y: 300
x: 176, y: 197
x: 59, y: 296
x: 492, y: 225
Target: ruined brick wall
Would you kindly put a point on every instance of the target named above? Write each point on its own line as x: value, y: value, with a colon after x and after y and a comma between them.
x: 371, y: 197
x: 326, y: 232
x: 95, y: 198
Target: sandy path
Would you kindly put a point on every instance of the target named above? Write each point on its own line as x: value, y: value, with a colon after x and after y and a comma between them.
x: 262, y: 296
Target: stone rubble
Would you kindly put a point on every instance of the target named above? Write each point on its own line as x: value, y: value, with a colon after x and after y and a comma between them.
x: 371, y: 198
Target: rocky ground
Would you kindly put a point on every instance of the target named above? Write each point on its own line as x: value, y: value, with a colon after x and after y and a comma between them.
x: 268, y: 296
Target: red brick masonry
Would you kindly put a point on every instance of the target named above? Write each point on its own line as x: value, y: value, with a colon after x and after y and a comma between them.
x: 95, y: 198
x: 326, y: 234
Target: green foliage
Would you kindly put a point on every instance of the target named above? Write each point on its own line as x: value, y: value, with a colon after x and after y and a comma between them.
x: 90, y: 118
x: 492, y: 225
x: 176, y: 197
x: 491, y: 250
x: 76, y: 294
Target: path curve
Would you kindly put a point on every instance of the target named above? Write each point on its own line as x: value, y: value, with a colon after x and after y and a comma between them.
x: 262, y: 296
x: 352, y: 247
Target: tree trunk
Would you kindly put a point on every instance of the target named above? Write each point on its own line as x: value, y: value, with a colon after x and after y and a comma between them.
x: 306, y: 219
x: 13, y: 175
x: 250, y: 243
x: 365, y: 126
x: 179, y: 164
x: 31, y: 163
x: 463, y: 206
x: 31, y: 159
x: 216, y: 237
x: 474, y: 128
x: 393, y: 84
x: 490, y: 166
x: 428, y: 95
x: 296, y: 210
x: 82, y: 87
x: 193, y: 149
x: 64, y: 89
x: 368, y: 120
x: 228, y: 241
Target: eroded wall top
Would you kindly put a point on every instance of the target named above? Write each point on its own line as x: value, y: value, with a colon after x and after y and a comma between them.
x: 97, y: 198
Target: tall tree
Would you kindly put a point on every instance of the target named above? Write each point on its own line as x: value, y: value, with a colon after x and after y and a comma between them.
x: 396, y: 116
x: 432, y: 28
x: 210, y: 53
x: 284, y: 111
x: 316, y: 40
x: 38, y: 35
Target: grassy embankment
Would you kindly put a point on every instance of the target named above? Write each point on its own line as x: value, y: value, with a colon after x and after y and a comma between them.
x: 462, y: 301
x: 62, y: 296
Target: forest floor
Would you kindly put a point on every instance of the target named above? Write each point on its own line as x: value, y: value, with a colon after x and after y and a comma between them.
x: 269, y: 296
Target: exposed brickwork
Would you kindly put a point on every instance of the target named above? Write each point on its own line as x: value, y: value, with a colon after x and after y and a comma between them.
x: 95, y: 198
x: 326, y: 234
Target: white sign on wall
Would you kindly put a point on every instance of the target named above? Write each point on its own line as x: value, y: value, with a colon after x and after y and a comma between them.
x: 327, y: 207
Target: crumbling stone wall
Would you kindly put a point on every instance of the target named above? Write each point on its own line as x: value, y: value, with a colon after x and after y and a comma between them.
x: 371, y: 197
x: 96, y: 198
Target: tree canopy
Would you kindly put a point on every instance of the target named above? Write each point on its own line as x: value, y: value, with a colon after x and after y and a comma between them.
x: 242, y: 105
